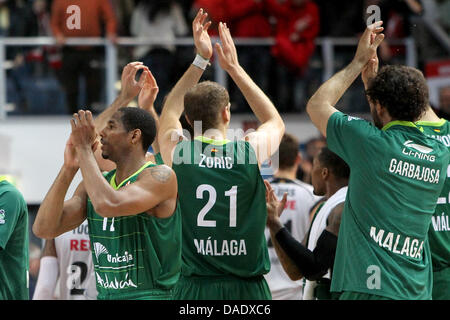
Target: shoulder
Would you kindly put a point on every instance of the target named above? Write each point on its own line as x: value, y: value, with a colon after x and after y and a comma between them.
x: 334, y: 218
x: 340, y: 120
x: 9, y: 191
x: 160, y: 174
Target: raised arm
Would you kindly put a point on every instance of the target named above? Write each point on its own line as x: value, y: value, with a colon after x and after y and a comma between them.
x: 267, y: 137
x: 130, y: 89
x: 146, y: 101
x: 56, y: 216
x: 321, y: 105
x: 170, y: 126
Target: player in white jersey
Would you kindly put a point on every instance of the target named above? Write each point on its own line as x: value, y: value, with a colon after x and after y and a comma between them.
x: 295, y: 217
x: 66, y: 271
x: 314, y: 260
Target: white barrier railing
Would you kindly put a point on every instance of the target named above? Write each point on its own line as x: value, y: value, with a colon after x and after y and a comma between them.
x: 327, y: 46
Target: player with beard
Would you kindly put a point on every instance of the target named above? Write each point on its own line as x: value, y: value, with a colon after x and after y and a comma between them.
x: 439, y: 232
x: 396, y: 176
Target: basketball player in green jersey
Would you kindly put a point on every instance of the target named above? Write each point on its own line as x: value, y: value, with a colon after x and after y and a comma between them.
x: 222, y: 194
x: 439, y: 231
x: 134, y: 221
x: 396, y: 176
x: 14, y: 262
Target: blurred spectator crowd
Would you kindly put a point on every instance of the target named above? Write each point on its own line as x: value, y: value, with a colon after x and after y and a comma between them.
x: 59, y: 79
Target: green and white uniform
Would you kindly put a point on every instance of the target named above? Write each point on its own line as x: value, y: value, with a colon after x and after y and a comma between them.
x: 396, y: 176
x: 439, y: 232
x: 13, y: 244
x: 135, y: 257
x: 222, y: 200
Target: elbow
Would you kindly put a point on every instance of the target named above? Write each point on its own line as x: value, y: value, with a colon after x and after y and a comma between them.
x: 105, y: 208
x: 309, y: 107
x: 38, y: 232
x: 43, y: 233
x: 282, y: 127
x: 295, y: 275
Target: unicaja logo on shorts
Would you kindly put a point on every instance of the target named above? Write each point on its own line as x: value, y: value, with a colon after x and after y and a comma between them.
x: 2, y: 216
x: 99, y: 249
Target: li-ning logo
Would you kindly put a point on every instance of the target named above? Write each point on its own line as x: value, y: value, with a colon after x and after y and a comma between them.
x: 421, y: 152
x: 99, y: 249
x: 350, y: 118
x: 418, y: 147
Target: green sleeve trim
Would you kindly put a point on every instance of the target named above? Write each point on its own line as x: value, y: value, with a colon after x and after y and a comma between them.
x: 112, y: 182
x: 400, y: 123
x: 8, y: 178
x: 439, y: 123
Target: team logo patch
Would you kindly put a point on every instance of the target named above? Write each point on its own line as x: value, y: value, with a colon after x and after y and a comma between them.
x: 2, y: 216
x: 99, y: 249
x: 418, y: 147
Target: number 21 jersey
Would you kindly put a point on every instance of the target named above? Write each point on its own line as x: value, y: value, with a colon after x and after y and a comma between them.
x: 223, y: 208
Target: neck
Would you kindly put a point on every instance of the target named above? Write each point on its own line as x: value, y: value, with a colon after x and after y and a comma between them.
x: 290, y: 173
x: 334, y: 186
x: 215, y: 134
x: 430, y: 115
x: 127, y: 166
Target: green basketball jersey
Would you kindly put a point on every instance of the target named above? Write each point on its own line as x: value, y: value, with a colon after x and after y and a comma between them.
x: 439, y: 233
x: 135, y: 257
x: 13, y: 244
x: 223, y: 208
x: 396, y: 176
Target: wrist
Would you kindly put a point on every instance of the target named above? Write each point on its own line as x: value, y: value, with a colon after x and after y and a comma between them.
x: 274, y: 224
x: 235, y: 71
x: 69, y: 170
x: 358, y: 64
x: 123, y: 99
x: 201, y: 62
x: 83, y: 149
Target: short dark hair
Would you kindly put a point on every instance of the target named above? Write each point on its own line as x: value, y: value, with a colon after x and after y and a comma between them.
x: 334, y: 163
x: 136, y: 118
x: 288, y: 151
x: 402, y: 90
x: 204, y: 101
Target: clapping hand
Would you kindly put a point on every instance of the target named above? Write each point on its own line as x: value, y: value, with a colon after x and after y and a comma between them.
x: 274, y: 207
x: 149, y: 91
x: 201, y: 37
x: 368, y: 43
x: 131, y: 87
x: 83, y: 130
x: 226, y: 52
x: 371, y: 69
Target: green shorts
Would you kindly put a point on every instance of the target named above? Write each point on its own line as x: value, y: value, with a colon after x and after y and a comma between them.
x: 221, y: 288
x: 155, y: 294
x: 351, y: 295
x: 441, y: 284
